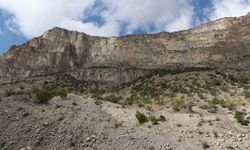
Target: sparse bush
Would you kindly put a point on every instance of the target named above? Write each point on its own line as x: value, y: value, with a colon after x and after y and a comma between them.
x: 225, y: 89
x: 175, y: 108
x: 243, y: 79
x: 9, y: 92
x: 118, y: 124
x: 205, y: 106
x: 96, y: 93
x: 162, y: 118
x: 129, y: 100
x: 112, y: 98
x: 22, y: 87
x: 215, y: 134
x: 240, y: 116
x: 140, y: 105
x: 217, y: 82
x: 232, y: 78
x: 62, y: 92
x: 230, y: 147
x: 43, y: 96
x: 205, y: 145
x: 149, y: 108
x: 179, y: 125
x: 153, y: 119
x: 98, y: 102
x: 247, y: 94
x: 179, y: 104
x: 212, y: 109
x: 141, y: 117
x: 231, y: 106
x: 35, y: 89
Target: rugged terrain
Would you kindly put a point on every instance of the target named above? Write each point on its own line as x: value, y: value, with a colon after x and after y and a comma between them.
x: 221, y: 44
x: 185, y: 90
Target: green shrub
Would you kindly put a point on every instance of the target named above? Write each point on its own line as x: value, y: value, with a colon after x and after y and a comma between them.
x: 129, y: 101
x: 205, y: 145
x: 162, y: 118
x: 212, y: 109
x: 153, y: 119
x: 96, y: 93
x: 240, y: 116
x: 179, y: 104
x: 175, y: 108
x: 232, y: 78
x: 60, y: 92
x: 141, y: 117
x: 35, y: 89
x: 112, y: 98
x: 43, y: 96
x: 205, y: 106
x: 96, y: 96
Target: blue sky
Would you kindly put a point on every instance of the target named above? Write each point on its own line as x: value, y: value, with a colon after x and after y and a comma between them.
x: 24, y: 19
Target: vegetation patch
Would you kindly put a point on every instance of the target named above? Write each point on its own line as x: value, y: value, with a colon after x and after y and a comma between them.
x: 141, y: 117
x: 153, y: 119
x: 112, y: 98
x: 205, y: 145
x: 241, y: 118
x: 44, y: 95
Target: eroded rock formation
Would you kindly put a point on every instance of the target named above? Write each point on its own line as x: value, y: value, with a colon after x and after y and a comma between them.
x: 222, y: 44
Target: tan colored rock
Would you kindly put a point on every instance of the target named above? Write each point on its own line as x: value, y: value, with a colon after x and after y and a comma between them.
x: 223, y: 44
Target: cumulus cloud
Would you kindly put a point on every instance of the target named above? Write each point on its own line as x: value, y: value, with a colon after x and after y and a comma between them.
x: 147, y: 14
x: 33, y: 17
x: 226, y: 8
x: 113, y: 17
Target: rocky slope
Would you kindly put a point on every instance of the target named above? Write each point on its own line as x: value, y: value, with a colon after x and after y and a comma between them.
x: 221, y: 44
x: 78, y: 123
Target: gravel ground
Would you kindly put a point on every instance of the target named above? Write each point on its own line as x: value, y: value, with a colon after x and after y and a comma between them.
x: 78, y: 123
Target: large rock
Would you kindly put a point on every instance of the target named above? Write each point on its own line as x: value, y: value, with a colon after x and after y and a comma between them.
x: 222, y: 44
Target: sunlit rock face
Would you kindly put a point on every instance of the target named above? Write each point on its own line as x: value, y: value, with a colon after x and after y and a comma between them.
x: 222, y: 44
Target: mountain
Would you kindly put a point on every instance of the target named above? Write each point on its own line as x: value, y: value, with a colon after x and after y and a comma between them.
x: 173, y: 91
x: 221, y: 44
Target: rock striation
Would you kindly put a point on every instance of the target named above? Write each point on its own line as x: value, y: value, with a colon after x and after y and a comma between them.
x: 221, y: 44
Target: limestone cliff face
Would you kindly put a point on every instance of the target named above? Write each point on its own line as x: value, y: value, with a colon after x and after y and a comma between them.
x: 224, y: 43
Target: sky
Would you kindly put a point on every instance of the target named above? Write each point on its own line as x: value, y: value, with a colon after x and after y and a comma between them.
x: 21, y: 20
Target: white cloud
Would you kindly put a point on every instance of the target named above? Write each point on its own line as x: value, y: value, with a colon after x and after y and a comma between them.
x: 226, y: 8
x: 1, y: 32
x: 162, y: 14
x: 33, y: 17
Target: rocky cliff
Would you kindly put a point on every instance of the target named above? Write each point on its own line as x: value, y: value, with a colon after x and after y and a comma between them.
x: 222, y: 44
